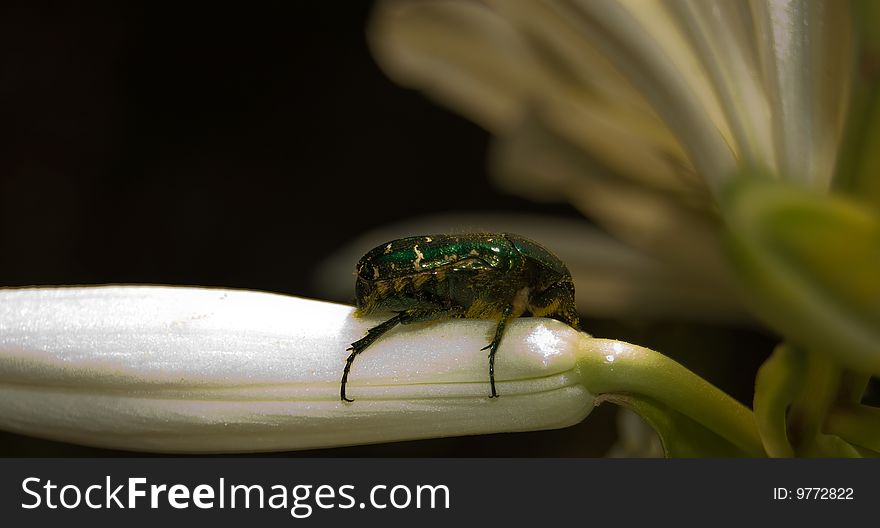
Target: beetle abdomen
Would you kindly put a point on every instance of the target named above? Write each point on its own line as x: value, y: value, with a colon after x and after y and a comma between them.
x: 391, y: 295
x: 461, y: 292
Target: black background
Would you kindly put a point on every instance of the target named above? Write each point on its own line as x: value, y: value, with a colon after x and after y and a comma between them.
x: 237, y: 146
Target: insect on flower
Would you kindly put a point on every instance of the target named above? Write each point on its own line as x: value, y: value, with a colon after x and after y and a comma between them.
x: 480, y: 276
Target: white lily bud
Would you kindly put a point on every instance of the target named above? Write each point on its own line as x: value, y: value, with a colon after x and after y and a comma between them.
x: 197, y: 370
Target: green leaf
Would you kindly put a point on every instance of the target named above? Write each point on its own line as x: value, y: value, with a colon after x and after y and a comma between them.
x: 682, y: 437
x: 809, y: 264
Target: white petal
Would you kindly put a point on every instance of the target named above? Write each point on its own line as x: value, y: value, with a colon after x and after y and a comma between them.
x: 643, y: 41
x: 722, y: 35
x: 676, y: 227
x: 590, y: 103
x: 208, y: 370
x: 521, y: 60
x: 459, y: 52
x: 806, y: 50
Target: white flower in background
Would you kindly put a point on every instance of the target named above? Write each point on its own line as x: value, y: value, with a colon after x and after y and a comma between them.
x: 636, y: 112
x: 735, y: 142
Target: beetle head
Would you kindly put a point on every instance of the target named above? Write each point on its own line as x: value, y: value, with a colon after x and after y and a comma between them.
x: 556, y: 302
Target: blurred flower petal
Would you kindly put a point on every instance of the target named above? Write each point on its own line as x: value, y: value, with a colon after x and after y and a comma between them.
x: 592, y: 105
x: 722, y: 36
x: 806, y: 49
x: 672, y: 87
x: 643, y: 41
x: 683, y: 237
x: 637, y: 112
x: 470, y: 56
x: 459, y: 52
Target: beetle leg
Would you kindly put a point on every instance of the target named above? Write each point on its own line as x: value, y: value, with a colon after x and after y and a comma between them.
x: 493, y: 346
x: 361, y: 344
x: 409, y: 316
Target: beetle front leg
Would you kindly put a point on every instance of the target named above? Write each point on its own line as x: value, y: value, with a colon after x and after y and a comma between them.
x: 493, y: 346
x: 407, y: 317
x: 361, y: 344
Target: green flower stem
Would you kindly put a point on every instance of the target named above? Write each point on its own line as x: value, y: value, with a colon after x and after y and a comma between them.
x: 857, y: 424
x: 831, y: 446
x: 852, y: 386
x: 613, y: 367
x: 820, y: 382
x: 777, y: 384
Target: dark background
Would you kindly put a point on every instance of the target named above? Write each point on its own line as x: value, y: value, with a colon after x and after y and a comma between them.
x: 237, y: 147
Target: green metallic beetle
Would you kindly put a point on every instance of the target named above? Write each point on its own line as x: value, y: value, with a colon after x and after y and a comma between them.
x: 481, y: 276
